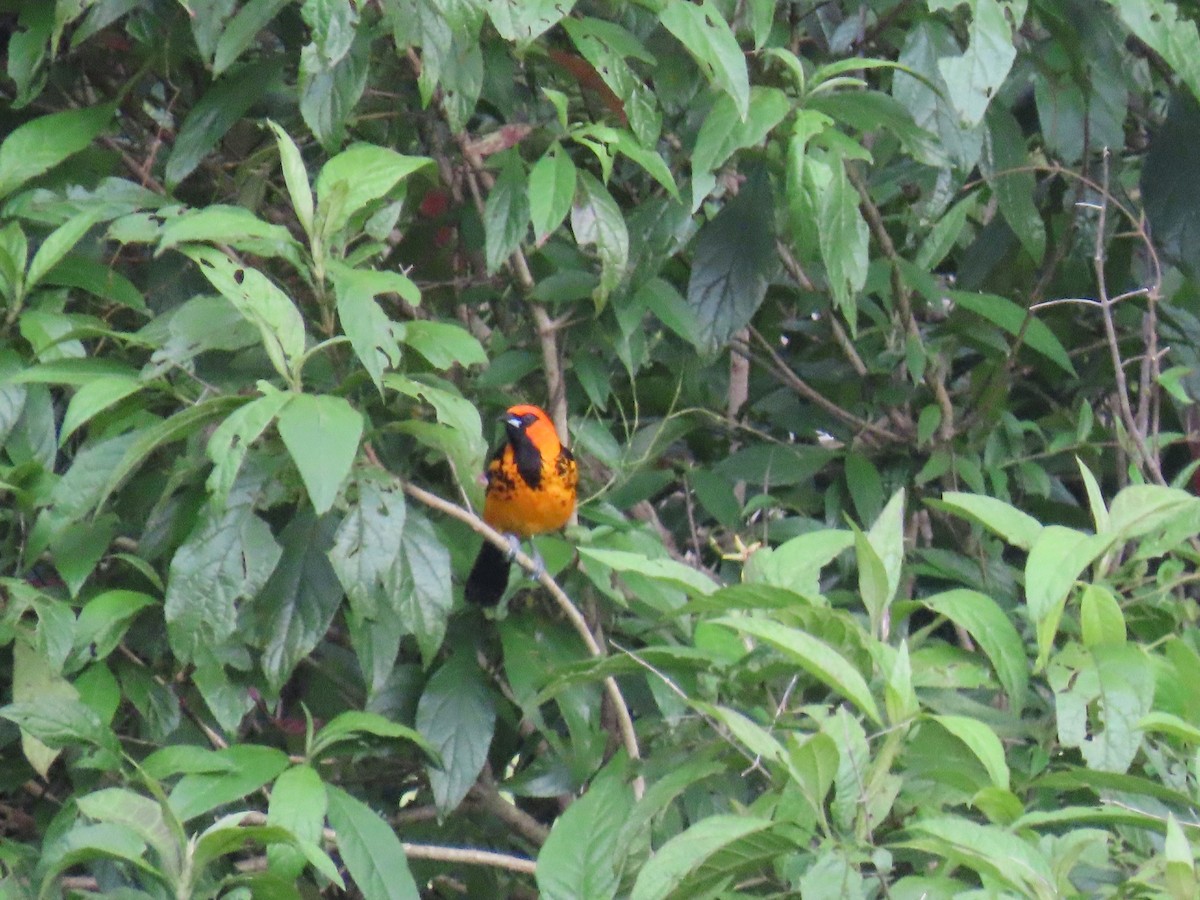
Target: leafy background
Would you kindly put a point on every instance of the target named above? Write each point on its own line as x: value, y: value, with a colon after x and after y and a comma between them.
x: 874, y: 326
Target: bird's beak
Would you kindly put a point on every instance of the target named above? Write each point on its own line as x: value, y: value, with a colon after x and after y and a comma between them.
x: 512, y: 421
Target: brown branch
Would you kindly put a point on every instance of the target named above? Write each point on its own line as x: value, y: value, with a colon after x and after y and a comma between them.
x: 1149, y: 461
x: 547, y: 328
x: 565, y: 604
x: 785, y: 374
x: 934, y: 380
x: 483, y: 793
x: 435, y: 852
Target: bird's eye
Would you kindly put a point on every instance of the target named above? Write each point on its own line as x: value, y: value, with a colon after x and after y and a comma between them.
x: 528, y: 419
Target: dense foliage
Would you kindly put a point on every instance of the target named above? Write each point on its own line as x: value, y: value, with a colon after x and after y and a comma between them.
x: 876, y: 331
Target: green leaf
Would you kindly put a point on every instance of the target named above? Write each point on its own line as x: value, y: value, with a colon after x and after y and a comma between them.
x: 872, y: 582
x: 796, y: 564
x: 41, y: 144
x: 89, y: 843
x: 843, y: 238
x: 607, y: 47
x: 814, y: 656
x: 457, y: 717
x: 241, y: 31
x: 945, y: 234
x: 597, y: 221
x: 578, y: 858
x: 523, y: 20
x: 1005, y: 164
x: 295, y: 175
x: 1167, y: 723
x: 298, y: 602
x: 1056, y: 560
x: 443, y: 344
x: 231, y: 440
x: 365, y: 552
x: 983, y: 742
x: 95, y: 397
x: 506, y: 214
x: 370, y: 849
x: 689, y: 849
x: 137, y: 446
x: 1181, y: 864
x: 298, y: 803
x: 886, y: 538
x: 253, y: 767
x: 973, y: 78
x: 980, y: 616
x: 1101, y: 695
x: 733, y: 262
x: 228, y: 556
x: 38, y: 686
x: 1012, y: 318
x: 726, y: 130
x: 58, y: 244
x: 705, y: 34
x: 215, y: 113
x: 666, y: 570
x: 1140, y: 509
x: 59, y: 720
x: 78, y: 547
x: 140, y: 815
x: 1016, y: 527
x: 1171, y: 168
x: 990, y: 850
x: 321, y: 435
x: 234, y: 226
x: 1100, y: 617
x: 333, y: 71
x: 180, y: 759
x: 900, y: 698
x: 360, y: 174
x: 105, y: 618
x: 421, y: 593
x: 551, y: 191
x: 372, y: 334
x: 354, y: 726
x: 1175, y: 38
x: 279, y: 323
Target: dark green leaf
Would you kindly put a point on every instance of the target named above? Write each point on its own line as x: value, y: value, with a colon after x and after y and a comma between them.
x: 227, y: 557
x: 506, y: 215
x: 598, y: 221
x: 298, y: 601
x: 456, y: 715
x: 734, y: 260
x: 215, y: 113
x: 420, y: 585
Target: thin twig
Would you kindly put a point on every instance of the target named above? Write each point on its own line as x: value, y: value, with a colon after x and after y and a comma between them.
x: 934, y: 376
x: 1148, y: 461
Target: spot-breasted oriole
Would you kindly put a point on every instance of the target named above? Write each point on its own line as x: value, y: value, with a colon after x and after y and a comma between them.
x: 531, y: 483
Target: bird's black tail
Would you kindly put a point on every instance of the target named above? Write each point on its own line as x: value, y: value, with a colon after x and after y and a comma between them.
x: 489, y: 576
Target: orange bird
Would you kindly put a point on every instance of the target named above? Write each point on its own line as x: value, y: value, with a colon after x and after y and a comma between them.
x: 531, y: 483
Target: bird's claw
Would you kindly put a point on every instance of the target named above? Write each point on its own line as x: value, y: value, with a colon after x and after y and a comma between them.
x: 514, y: 546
